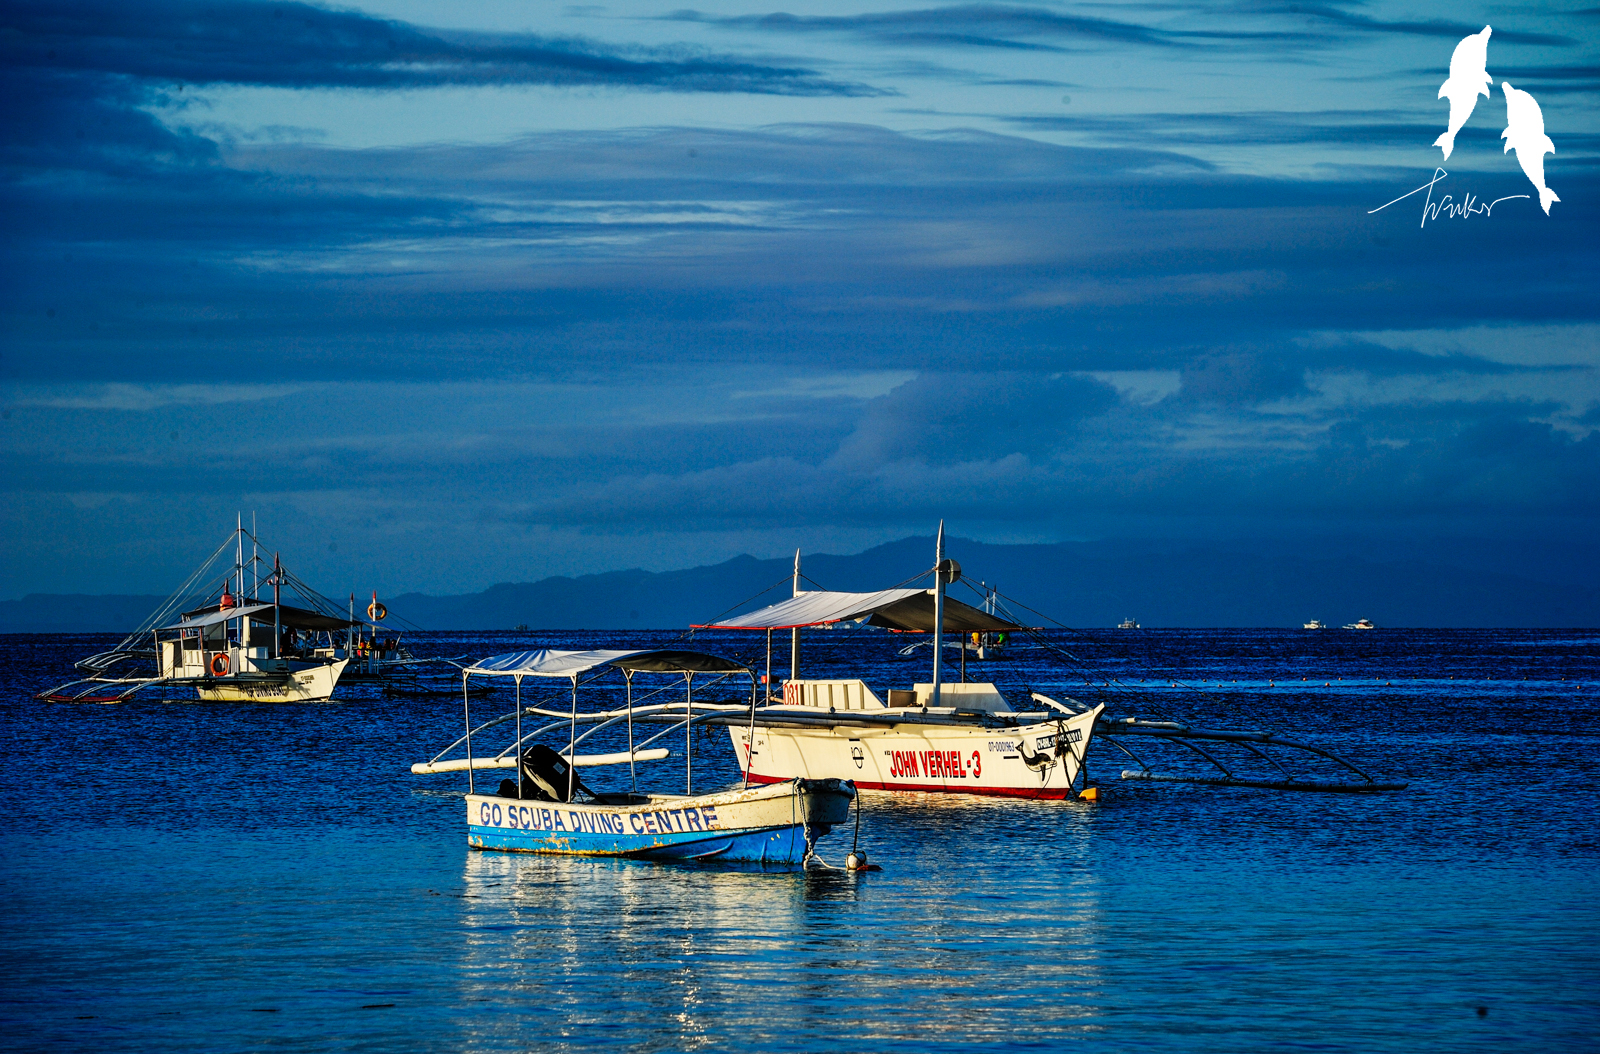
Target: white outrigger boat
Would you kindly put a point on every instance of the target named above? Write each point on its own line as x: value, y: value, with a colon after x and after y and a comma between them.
x: 963, y: 737
x: 547, y: 809
x: 935, y: 736
x: 220, y: 635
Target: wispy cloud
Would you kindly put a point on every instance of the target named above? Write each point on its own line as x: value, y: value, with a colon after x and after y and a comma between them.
x: 1180, y: 26
x: 1349, y: 17
x: 140, y: 398
x: 988, y: 26
x: 296, y: 45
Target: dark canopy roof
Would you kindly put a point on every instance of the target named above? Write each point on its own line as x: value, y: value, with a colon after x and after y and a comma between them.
x: 901, y: 609
x: 553, y: 663
x: 290, y: 617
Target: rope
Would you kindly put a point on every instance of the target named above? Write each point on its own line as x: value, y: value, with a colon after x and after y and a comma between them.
x: 1114, y: 684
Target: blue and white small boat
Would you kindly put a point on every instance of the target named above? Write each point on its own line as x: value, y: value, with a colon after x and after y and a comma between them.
x: 548, y: 809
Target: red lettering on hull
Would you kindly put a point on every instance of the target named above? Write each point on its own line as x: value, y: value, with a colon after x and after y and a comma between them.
x: 1039, y: 793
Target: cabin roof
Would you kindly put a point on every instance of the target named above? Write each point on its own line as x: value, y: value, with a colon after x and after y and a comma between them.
x: 289, y: 617
x: 547, y: 662
x: 899, y: 609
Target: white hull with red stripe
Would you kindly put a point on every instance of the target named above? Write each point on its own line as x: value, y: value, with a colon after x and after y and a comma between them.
x: 840, y: 730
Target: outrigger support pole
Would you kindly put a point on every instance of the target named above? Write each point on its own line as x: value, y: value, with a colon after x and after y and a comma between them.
x: 572, y: 743
x: 688, y: 731
x: 750, y: 743
x: 518, y: 680
x: 466, y: 711
x: 633, y: 771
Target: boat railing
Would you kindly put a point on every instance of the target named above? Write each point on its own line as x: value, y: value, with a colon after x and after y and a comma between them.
x: 650, y: 714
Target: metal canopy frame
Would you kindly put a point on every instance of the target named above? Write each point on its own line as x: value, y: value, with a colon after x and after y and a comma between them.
x: 573, y: 665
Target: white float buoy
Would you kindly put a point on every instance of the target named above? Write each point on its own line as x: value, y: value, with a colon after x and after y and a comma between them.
x: 856, y: 861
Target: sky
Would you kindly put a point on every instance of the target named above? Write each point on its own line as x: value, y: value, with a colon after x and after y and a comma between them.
x: 447, y: 295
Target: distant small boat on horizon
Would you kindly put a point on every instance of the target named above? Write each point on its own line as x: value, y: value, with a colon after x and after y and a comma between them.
x: 1128, y: 623
x: 1360, y: 623
x: 1314, y: 624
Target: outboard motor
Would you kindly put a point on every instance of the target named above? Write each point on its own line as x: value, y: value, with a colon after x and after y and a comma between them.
x: 545, y: 775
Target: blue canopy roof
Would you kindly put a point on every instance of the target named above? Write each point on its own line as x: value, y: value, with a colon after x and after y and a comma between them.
x: 547, y: 662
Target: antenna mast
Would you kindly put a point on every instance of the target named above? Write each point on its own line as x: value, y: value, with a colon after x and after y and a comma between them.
x: 938, y: 614
x: 794, y: 634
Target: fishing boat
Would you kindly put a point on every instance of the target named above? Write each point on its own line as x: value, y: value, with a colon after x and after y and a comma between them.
x: 1360, y: 623
x: 1128, y: 623
x: 246, y: 630
x: 546, y: 808
x: 961, y: 737
x: 1314, y: 624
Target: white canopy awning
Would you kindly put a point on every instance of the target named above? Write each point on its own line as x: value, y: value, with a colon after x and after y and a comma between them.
x: 902, y: 609
x: 547, y: 662
x: 815, y: 609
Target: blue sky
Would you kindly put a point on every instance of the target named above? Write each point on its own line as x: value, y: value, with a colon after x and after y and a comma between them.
x: 457, y: 294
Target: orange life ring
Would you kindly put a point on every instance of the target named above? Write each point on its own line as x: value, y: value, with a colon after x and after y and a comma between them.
x: 219, y: 664
x: 377, y: 612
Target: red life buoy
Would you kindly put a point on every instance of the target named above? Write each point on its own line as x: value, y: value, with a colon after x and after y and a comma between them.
x: 219, y: 664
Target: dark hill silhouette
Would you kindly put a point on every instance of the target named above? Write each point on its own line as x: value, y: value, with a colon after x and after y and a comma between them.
x: 1426, y: 583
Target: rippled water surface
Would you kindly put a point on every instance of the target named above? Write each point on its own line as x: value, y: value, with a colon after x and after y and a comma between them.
x: 187, y: 876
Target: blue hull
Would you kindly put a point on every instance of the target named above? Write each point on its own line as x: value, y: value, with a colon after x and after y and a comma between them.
x: 773, y: 824
x: 774, y: 845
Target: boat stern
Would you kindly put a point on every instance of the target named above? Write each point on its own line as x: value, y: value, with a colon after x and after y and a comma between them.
x: 826, y: 803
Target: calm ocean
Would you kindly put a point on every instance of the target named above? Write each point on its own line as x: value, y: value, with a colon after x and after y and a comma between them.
x: 181, y: 876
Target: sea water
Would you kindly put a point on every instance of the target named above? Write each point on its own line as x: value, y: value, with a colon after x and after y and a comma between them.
x: 186, y: 876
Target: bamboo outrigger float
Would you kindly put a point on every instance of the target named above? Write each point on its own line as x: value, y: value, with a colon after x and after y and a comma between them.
x: 1114, y: 729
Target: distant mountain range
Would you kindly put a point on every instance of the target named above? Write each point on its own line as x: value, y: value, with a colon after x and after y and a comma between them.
x: 1449, y: 583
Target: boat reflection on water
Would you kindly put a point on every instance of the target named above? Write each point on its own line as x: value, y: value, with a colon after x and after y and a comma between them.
x: 591, y: 951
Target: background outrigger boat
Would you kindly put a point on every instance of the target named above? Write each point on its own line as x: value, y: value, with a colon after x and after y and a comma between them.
x: 548, y: 809
x: 228, y: 633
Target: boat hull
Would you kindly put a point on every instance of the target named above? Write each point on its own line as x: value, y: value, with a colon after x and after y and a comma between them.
x: 311, y: 685
x: 957, y: 759
x: 774, y: 824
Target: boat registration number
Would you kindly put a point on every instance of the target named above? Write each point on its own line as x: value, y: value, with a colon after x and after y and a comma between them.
x: 1073, y: 735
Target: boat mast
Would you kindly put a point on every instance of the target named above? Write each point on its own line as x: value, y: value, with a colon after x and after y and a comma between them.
x: 277, y: 612
x: 938, y: 613
x: 794, y: 634
x: 242, y: 631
